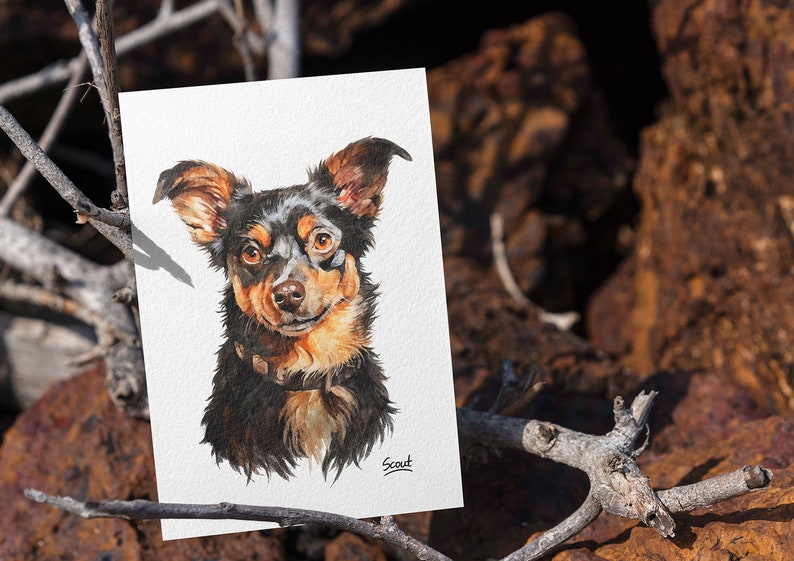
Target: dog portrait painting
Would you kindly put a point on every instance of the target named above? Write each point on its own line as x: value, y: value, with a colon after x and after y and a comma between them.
x: 290, y: 283
x: 296, y: 376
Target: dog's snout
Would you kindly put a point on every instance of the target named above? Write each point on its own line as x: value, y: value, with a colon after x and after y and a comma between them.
x: 288, y: 295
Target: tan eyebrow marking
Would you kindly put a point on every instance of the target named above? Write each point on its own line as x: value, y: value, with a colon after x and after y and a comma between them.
x: 306, y: 225
x: 260, y: 235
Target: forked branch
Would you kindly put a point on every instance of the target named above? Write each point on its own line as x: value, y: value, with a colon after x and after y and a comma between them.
x: 616, y: 485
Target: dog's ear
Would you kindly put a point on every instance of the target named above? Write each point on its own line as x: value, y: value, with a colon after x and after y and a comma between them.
x: 359, y: 173
x: 200, y: 193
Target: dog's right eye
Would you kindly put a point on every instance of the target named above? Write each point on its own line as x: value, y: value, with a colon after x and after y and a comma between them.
x: 251, y: 255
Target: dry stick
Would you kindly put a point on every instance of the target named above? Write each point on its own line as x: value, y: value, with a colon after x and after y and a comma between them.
x: 100, y: 218
x: 48, y: 137
x: 263, y: 12
x: 543, y: 439
x: 563, y: 321
x: 678, y: 499
x: 167, y: 22
x: 553, y: 538
x: 721, y: 487
x: 119, y: 198
x: 500, y: 261
x: 107, y: 44
x: 44, y: 298
x: 92, y: 286
x: 99, y: 66
x: 515, y: 394
x: 387, y: 530
x: 609, y: 460
x: 235, y: 17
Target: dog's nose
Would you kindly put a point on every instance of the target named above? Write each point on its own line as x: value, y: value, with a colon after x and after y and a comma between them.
x: 288, y: 295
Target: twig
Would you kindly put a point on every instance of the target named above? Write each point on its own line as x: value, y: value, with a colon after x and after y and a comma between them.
x: 141, y: 509
x: 562, y: 321
x: 263, y: 10
x: 167, y: 22
x: 235, y: 17
x: 166, y: 8
x: 86, y: 210
x: 48, y: 137
x: 721, y: 488
x: 515, y: 394
x: 105, y: 72
x: 107, y: 43
x: 554, y: 537
x: 46, y: 299
x: 501, y: 263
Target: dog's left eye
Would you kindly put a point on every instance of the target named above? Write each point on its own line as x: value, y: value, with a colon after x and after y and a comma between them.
x: 323, y: 242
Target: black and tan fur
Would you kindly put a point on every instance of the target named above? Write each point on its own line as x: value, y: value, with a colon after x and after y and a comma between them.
x: 296, y: 376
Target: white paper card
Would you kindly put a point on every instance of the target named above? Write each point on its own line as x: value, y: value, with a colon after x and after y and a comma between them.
x: 305, y: 370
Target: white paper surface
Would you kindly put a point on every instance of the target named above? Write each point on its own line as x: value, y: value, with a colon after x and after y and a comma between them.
x: 271, y: 133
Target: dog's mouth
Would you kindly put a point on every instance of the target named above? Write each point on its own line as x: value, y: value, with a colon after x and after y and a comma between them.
x: 296, y: 325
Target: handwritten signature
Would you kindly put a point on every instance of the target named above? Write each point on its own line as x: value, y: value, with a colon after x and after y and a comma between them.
x: 392, y: 466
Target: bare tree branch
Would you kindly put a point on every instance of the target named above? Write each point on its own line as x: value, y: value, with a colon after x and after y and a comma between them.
x: 284, y: 47
x: 85, y: 209
x: 167, y: 22
x: 263, y: 9
x: 65, y: 272
x: 514, y: 393
x: 386, y: 529
x: 617, y: 485
x: 105, y: 74
x: 44, y: 298
x: 562, y: 321
x: 616, y: 482
x: 235, y: 17
x: 48, y: 137
x: 721, y: 488
x: 107, y: 43
x: 501, y: 263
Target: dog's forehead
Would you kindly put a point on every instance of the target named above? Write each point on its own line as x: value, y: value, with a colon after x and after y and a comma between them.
x: 288, y: 205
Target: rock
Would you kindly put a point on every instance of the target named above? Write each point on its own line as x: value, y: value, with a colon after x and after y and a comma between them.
x: 75, y: 442
x: 520, y: 129
x: 329, y: 26
x: 350, y: 547
x: 709, y: 286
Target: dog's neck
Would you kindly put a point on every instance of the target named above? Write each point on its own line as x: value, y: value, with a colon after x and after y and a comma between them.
x: 268, y: 367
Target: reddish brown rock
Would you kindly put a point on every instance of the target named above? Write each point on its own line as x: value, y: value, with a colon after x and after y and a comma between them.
x: 520, y: 129
x: 709, y: 285
x: 75, y: 442
x: 350, y: 547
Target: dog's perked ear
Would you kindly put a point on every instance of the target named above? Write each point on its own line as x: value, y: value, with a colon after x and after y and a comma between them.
x: 200, y: 193
x: 359, y: 173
